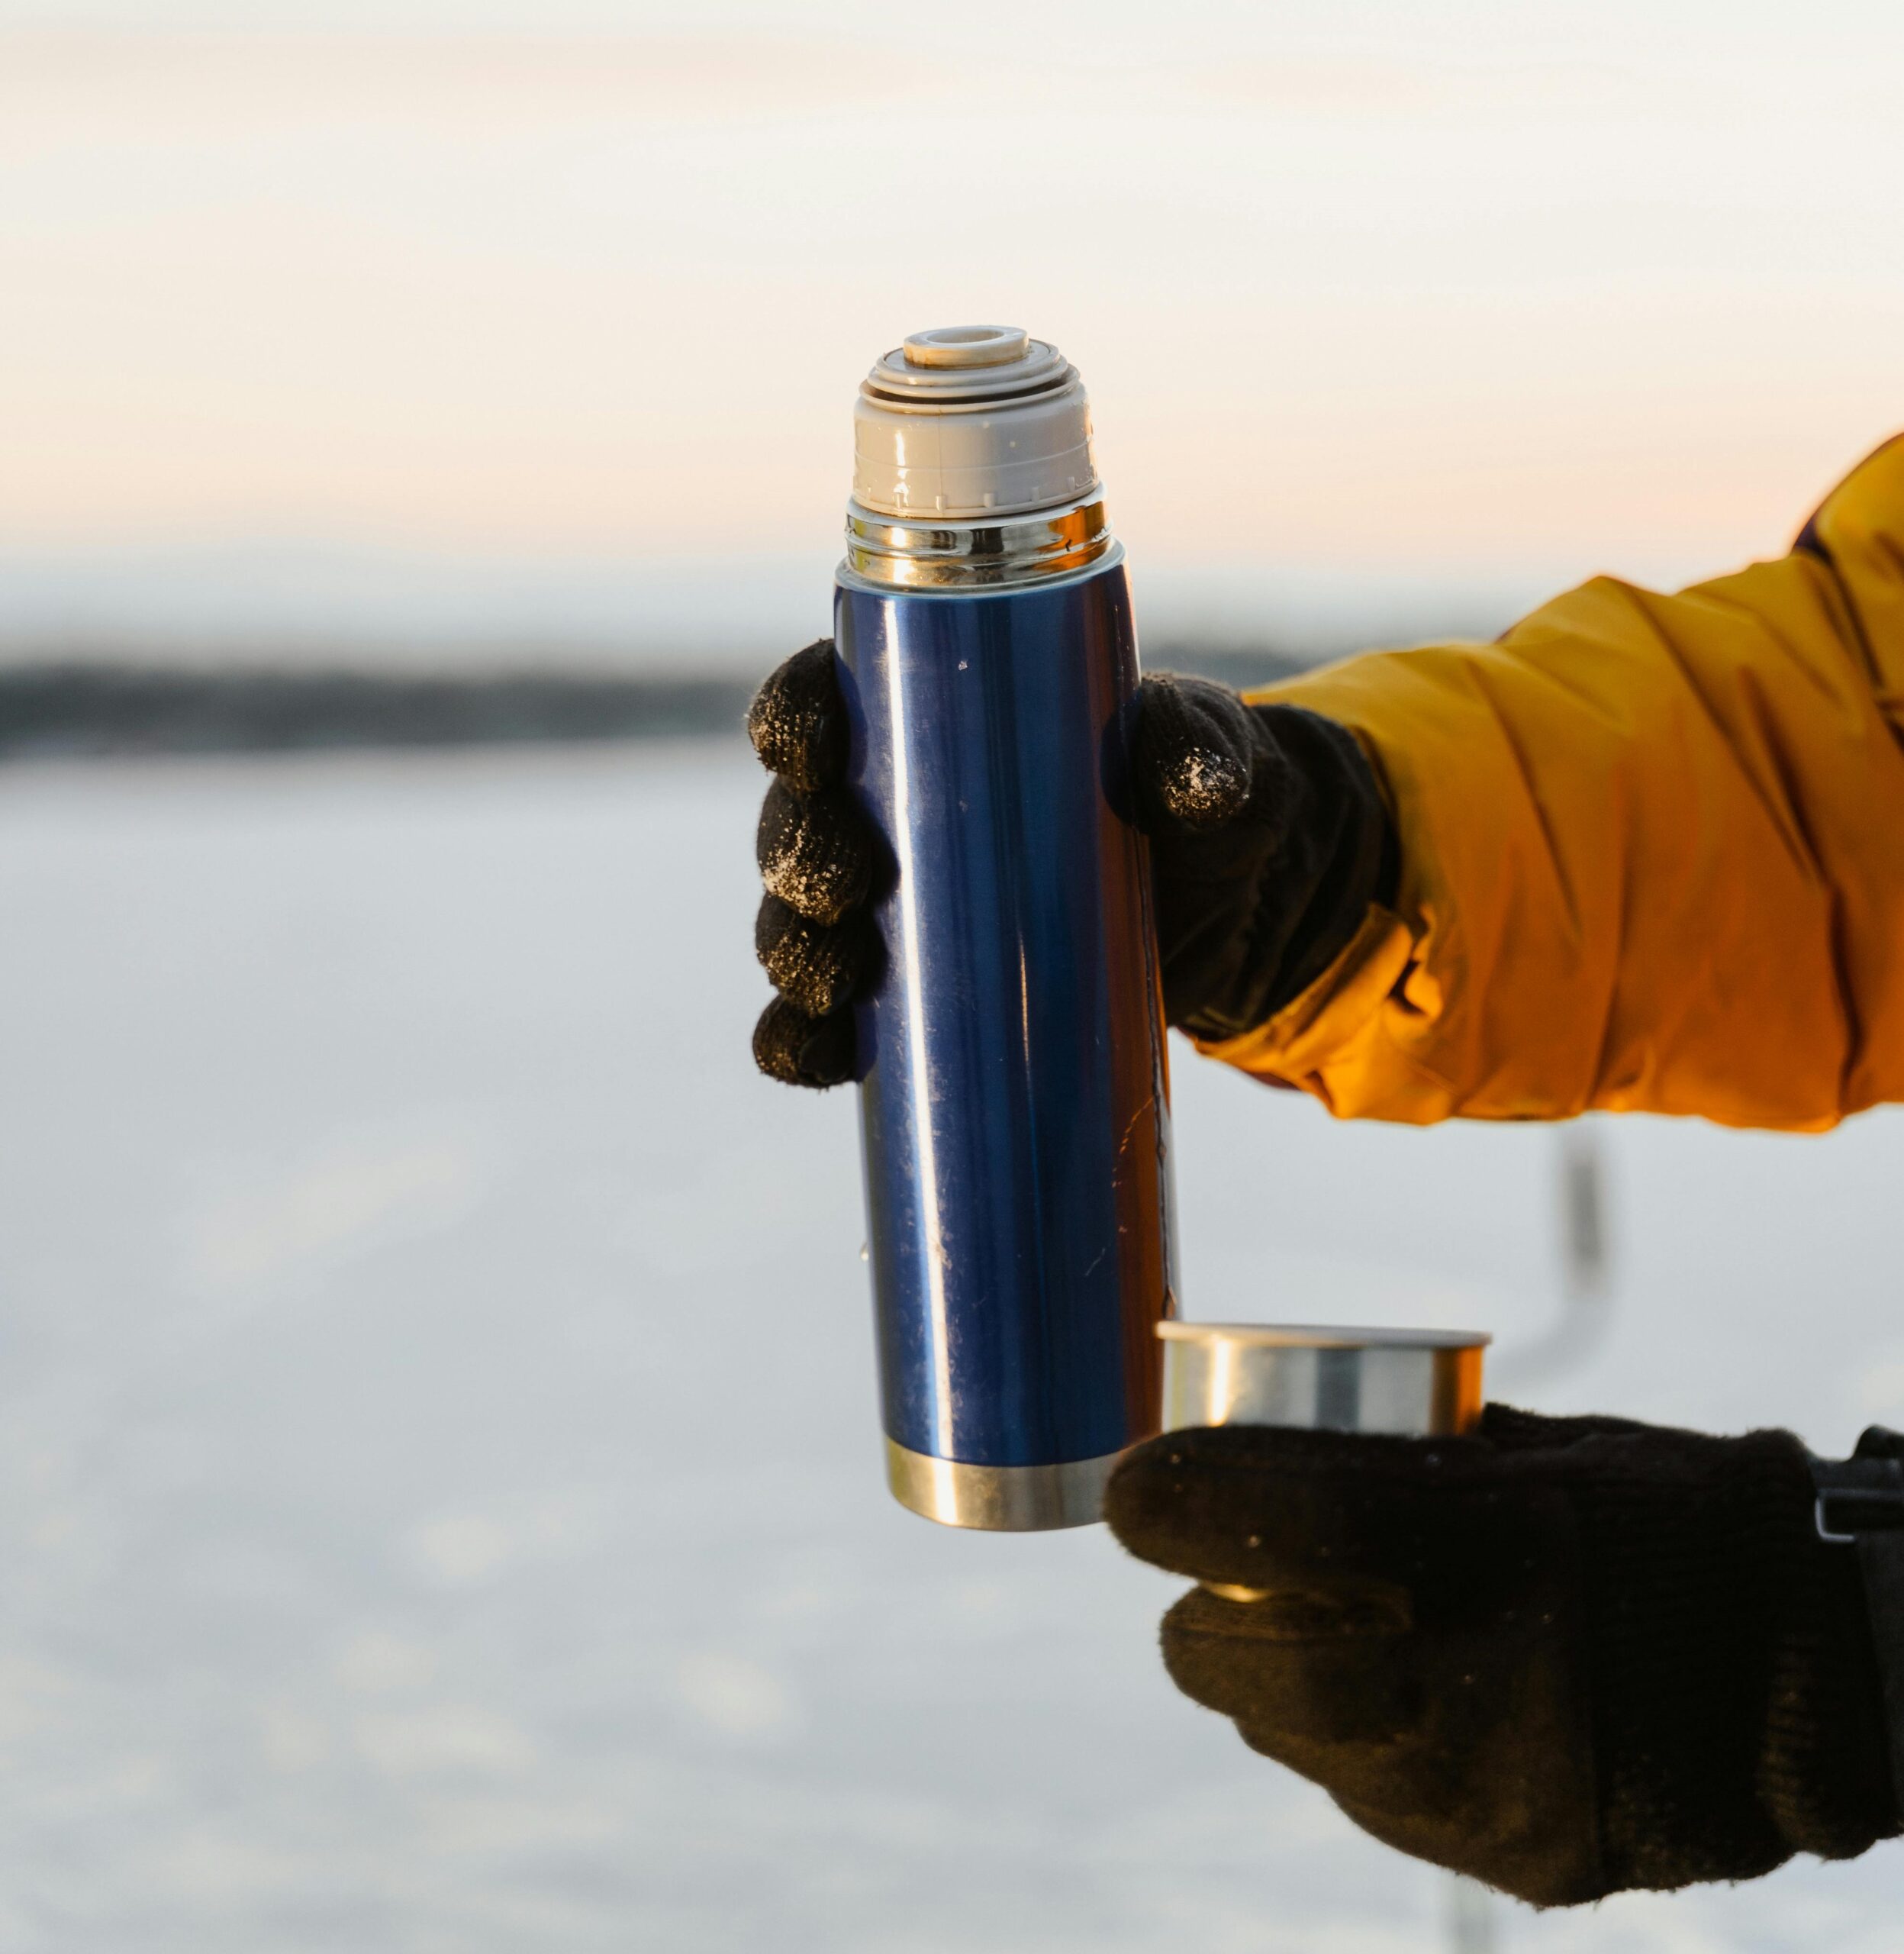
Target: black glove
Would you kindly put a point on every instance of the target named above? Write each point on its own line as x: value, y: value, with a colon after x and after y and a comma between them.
x: 1269, y: 839
x: 1566, y: 1656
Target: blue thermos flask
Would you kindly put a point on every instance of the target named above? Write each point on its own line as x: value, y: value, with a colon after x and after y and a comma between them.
x: 1014, y: 1092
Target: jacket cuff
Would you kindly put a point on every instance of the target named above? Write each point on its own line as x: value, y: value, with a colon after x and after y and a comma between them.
x: 1333, y: 1022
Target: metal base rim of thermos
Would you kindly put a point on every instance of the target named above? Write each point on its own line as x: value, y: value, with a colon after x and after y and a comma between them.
x: 999, y: 1499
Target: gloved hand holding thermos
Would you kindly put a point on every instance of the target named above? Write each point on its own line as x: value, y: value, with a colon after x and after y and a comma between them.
x: 1267, y: 841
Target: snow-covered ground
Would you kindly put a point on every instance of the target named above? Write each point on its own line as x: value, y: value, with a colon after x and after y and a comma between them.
x: 440, y: 1503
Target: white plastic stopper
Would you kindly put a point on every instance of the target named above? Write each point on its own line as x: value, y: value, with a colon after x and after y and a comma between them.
x: 969, y: 423
x: 967, y: 346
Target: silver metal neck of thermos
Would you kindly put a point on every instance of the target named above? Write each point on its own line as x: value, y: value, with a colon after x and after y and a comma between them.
x: 962, y: 555
x: 972, y: 465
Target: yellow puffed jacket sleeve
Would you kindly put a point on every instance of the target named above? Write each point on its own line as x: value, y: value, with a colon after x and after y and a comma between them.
x: 1652, y: 852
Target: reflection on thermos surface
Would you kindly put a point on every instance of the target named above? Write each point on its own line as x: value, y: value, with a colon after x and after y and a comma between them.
x: 1014, y: 1094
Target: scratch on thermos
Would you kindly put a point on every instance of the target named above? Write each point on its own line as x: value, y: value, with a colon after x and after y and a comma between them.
x: 1014, y: 1091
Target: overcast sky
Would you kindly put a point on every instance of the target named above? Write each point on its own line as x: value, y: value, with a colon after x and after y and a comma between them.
x: 1440, y: 292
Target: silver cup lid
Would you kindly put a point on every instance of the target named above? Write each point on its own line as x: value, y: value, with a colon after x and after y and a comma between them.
x: 1318, y: 1377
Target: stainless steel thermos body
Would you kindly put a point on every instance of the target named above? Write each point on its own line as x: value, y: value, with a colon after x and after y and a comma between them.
x: 1013, y: 1092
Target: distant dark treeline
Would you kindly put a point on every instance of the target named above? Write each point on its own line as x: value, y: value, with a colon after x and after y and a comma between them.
x: 57, y: 708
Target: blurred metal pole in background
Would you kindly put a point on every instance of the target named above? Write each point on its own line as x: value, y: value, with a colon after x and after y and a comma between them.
x: 1586, y: 1289
x: 1586, y: 1293
x: 1582, y: 1202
